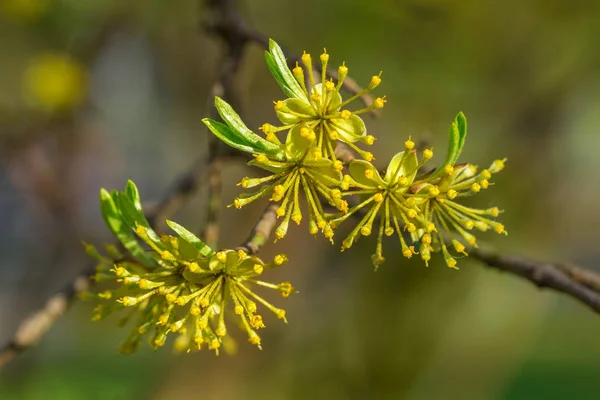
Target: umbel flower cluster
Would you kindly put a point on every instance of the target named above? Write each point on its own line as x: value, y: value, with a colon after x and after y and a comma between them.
x: 177, y: 284
x: 180, y: 285
x: 420, y: 205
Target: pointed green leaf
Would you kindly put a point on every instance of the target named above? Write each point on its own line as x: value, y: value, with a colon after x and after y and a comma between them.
x: 119, y: 227
x: 191, y: 239
x: 132, y: 214
x: 277, y: 62
x: 233, y: 120
x: 457, y: 136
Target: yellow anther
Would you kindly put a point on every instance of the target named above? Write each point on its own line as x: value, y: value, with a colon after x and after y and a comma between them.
x: 214, y: 344
x: 128, y: 301
x: 140, y: 230
x: 329, y: 85
x: 163, y: 319
x: 379, y: 102
x: 280, y: 259
x: 410, y: 227
x: 497, y: 165
x: 297, y: 218
x: 262, y: 159
x: 307, y: 133
x: 279, y: 189
x: 258, y: 269
x: 452, y: 194
x: 484, y: 184
x: 346, y: 114
x: 434, y: 191
x: 365, y: 231
x: 427, y: 154
x: 378, y: 197
x: 368, y: 156
x: 221, y: 256
x: 278, y: 105
x: 306, y: 59
x: 335, y: 193
x: 302, y: 170
x: 195, y: 310
x: 297, y: 69
x: 321, y: 223
x: 171, y: 297
x: 499, y: 228
x: 166, y: 255
x: 370, y: 139
x: 317, y: 154
x: 430, y: 228
x: 448, y: 169
x: 266, y: 128
x: 257, y: 322
x: 403, y: 180
x: 450, y: 262
x: 469, y: 225
x: 271, y: 137
x: 342, y: 70
x: 244, y: 183
x: 409, y: 144
x: 485, y: 174
x: 338, y: 165
x: 494, y: 211
x: 333, y: 135
x: 120, y: 271
x: 426, y: 239
x: 324, y: 57
x: 315, y: 96
x: 459, y: 247
x: 411, y: 202
x: 254, y: 339
x: 204, y: 302
x: 143, y: 284
x: 238, y: 310
x: 203, y: 323
x: 242, y: 254
x: 375, y: 81
x: 369, y: 174
x: 412, y: 213
x: 408, y: 253
x: 389, y: 231
x: 180, y: 301
x: 476, y: 187
x: 221, y: 331
x: 280, y: 211
x: 280, y: 314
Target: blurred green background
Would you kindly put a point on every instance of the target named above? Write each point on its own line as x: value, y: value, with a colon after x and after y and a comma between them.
x: 526, y: 74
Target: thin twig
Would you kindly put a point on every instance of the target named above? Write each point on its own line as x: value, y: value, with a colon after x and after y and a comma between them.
x: 546, y: 275
x: 261, y: 231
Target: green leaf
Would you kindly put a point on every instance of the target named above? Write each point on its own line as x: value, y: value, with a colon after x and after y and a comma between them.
x: 457, y: 136
x: 280, y: 70
x: 233, y: 120
x: 119, y: 227
x: 191, y: 239
x: 130, y: 208
x: 458, y: 133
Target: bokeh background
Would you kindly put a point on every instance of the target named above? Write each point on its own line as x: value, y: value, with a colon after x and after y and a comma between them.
x: 93, y: 93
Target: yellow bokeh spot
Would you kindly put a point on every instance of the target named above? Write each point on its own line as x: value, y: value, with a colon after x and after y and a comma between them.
x: 54, y: 82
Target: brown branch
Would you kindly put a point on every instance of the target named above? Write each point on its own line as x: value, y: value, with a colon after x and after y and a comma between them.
x: 261, y: 231
x: 573, y: 281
